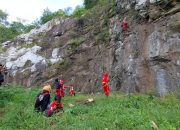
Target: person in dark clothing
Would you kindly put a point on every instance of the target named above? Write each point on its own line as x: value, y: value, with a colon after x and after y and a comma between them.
x: 1, y: 74
x: 1, y: 78
x: 43, y: 99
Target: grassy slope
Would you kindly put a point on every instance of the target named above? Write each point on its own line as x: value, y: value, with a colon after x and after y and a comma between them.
x: 115, y: 112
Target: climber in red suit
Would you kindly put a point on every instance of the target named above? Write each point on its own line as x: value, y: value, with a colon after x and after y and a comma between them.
x: 105, y: 85
x: 71, y: 91
x: 124, y: 24
x: 62, y: 87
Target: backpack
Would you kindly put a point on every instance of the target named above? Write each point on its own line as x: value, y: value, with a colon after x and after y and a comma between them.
x: 39, y: 101
x: 41, y: 96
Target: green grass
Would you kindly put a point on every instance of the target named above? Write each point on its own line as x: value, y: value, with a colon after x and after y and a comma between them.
x: 117, y: 112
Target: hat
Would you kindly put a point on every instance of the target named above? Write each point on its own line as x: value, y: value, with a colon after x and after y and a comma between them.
x: 47, y: 88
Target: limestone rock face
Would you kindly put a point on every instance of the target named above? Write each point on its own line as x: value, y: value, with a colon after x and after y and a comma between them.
x: 163, y: 51
x: 148, y: 57
x: 145, y: 57
x: 25, y: 60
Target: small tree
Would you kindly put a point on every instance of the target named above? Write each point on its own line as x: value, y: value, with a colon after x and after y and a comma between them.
x: 46, y: 16
x: 7, y: 33
x: 90, y: 3
x: 29, y: 28
x: 3, y: 17
x: 59, y: 13
x: 17, y: 27
x: 79, y: 11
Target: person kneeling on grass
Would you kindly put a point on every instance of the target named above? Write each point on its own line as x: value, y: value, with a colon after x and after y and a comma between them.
x: 43, y: 99
x: 54, y: 107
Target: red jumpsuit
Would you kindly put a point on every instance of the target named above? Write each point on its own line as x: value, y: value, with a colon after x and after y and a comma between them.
x: 62, y: 88
x: 124, y: 24
x: 105, y: 81
x: 71, y: 91
x: 53, y: 106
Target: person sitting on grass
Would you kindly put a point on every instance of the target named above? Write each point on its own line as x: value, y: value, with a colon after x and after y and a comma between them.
x: 43, y: 99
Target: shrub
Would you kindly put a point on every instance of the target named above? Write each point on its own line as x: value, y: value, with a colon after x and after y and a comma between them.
x: 48, y: 15
x: 175, y: 26
x: 79, y: 11
x: 103, y: 36
x: 65, y: 64
x: 74, y: 43
x: 90, y: 3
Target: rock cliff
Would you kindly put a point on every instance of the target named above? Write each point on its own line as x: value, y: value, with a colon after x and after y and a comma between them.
x: 145, y: 57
